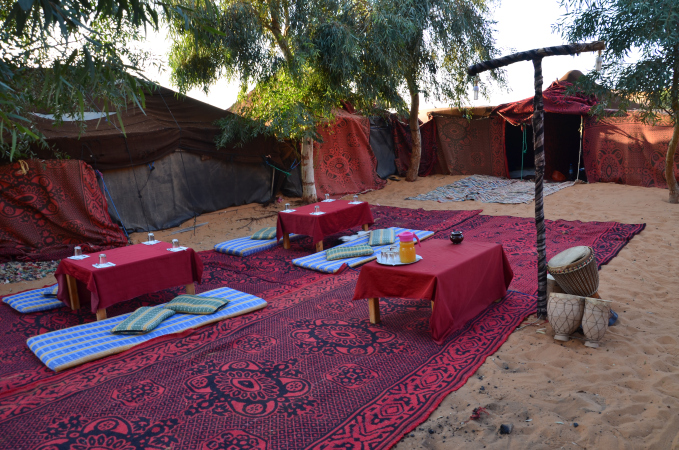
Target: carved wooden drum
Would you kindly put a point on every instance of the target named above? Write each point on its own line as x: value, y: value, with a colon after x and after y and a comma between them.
x: 576, y: 271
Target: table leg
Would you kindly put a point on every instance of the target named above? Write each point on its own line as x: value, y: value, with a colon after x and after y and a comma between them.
x: 319, y: 246
x: 432, y: 306
x: 191, y: 288
x: 101, y: 314
x: 374, y: 309
x: 286, y: 241
x: 365, y: 227
x: 72, y: 285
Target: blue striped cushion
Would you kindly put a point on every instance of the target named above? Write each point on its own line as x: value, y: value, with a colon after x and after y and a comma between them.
x: 196, y: 304
x: 247, y: 246
x: 143, y: 320
x: 33, y: 301
x: 51, y: 292
x: 265, y: 233
x: 73, y: 346
x: 318, y: 261
x: 381, y: 237
x: 348, y: 252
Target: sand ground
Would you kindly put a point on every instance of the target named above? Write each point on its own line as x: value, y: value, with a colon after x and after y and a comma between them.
x: 624, y: 395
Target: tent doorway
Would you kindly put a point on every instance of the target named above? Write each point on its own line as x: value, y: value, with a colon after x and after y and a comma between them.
x: 514, y: 145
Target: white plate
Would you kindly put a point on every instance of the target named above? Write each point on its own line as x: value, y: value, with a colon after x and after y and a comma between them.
x: 79, y: 257
x: 152, y: 242
x: 355, y: 203
x: 103, y: 266
x: 379, y: 261
x: 179, y: 249
x: 317, y: 214
x: 327, y: 201
x: 288, y: 211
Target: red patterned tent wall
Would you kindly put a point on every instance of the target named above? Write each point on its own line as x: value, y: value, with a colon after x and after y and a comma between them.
x: 624, y: 150
x: 403, y: 147
x: 345, y: 163
x: 50, y: 209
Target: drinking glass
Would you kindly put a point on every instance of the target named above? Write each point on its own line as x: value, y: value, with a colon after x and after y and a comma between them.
x: 317, y: 209
x: 355, y: 198
x: 78, y: 251
x: 287, y: 206
x: 102, y: 259
x: 327, y: 196
x: 175, y: 243
x: 151, y: 237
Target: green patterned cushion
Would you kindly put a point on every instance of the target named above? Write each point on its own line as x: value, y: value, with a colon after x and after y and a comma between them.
x: 143, y: 320
x: 265, y: 233
x: 51, y: 292
x: 196, y: 304
x: 381, y: 237
x: 348, y: 252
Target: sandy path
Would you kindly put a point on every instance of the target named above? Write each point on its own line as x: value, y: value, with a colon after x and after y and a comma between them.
x: 622, y: 395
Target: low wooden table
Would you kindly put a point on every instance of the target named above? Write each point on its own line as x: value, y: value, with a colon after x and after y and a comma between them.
x: 139, y: 269
x: 339, y: 215
x: 459, y: 280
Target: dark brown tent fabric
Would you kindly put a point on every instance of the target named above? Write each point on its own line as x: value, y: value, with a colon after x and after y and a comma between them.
x: 169, y: 122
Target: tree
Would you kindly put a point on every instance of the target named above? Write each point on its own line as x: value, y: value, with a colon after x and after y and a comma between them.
x: 425, y: 47
x: 297, y: 54
x: 64, y: 57
x: 650, y: 27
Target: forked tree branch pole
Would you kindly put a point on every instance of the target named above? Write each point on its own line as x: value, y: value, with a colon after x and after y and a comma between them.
x: 536, y: 56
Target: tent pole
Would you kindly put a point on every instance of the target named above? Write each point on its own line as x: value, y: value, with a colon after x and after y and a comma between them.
x: 539, y: 144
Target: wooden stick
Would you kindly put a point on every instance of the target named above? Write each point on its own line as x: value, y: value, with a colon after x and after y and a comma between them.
x: 286, y: 241
x: 319, y: 246
x: 539, y: 151
x: 374, y: 310
x: 101, y: 314
x: 72, y: 285
x: 365, y: 227
x: 191, y: 288
x: 537, y: 53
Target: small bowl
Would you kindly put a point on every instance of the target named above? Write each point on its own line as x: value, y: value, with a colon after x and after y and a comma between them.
x: 456, y: 237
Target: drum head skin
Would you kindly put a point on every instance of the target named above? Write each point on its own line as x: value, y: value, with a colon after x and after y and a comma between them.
x: 568, y: 257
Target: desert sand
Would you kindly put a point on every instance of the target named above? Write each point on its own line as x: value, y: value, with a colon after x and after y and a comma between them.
x: 623, y: 395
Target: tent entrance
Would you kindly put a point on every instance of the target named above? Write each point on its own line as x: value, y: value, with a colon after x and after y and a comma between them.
x: 514, y: 144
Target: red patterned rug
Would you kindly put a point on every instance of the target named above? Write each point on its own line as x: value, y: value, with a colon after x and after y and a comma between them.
x: 308, y: 371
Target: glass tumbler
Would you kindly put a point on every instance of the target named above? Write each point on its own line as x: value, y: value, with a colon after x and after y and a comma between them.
x: 175, y: 243
x: 102, y: 259
x: 317, y: 209
x: 327, y: 196
x: 152, y: 238
x: 355, y: 198
x: 287, y: 206
x: 77, y: 251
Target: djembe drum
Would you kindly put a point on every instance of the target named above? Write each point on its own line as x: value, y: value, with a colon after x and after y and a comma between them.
x: 576, y: 271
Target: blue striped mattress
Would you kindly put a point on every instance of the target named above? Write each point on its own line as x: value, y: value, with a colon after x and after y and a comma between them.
x: 33, y: 301
x: 77, y: 345
x: 318, y: 261
x: 245, y: 246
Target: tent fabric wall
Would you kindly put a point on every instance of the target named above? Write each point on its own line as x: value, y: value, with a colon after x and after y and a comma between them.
x: 382, y: 144
x: 625, y: 150
x: 180, y: 185
x: 403, y: 146
x: 472, y: 147
x: 344, y: 162
x: 55, y: 206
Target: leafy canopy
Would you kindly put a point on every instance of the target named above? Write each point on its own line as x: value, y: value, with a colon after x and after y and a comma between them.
x: 649, y: 27
x: 66, y: 57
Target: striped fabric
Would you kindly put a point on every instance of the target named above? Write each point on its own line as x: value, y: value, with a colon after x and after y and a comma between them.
x: 265, y: 233
x: 143, y: 320
x: 246, y: 246
x: 52, y: 292
x: 196, y: 304
x: 318, y: 261
x: 381, y: 237
x: 77, y: 345
x: 33, y: 301
x: 348, y: 252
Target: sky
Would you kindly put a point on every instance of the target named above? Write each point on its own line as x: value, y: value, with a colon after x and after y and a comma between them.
x: 521, y: 25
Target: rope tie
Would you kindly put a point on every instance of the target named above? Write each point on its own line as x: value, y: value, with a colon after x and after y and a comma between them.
x: 23, y: 166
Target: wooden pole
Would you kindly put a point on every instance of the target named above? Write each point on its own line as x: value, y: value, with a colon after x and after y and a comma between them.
x: 539, y: 146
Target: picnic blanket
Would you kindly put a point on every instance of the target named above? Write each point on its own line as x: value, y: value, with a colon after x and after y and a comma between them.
x: 33, y: 301
x: 246, y: 246
x: 318, y: 261
x: 488, y: 189
x: 77, y: 345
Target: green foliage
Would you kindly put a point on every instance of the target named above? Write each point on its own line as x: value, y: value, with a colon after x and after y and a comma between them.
x: 649, y: 27
x: 66, y: 57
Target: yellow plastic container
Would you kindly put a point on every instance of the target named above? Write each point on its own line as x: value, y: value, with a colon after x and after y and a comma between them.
x: 406, y: 248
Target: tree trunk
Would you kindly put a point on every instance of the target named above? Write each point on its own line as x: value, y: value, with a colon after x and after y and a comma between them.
x: 414, y: 123
x: 308, y: 183
x: 539, y: 146
x: 669, y: 163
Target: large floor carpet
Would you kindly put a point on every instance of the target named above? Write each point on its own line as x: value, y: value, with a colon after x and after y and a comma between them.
x: 309, y: 371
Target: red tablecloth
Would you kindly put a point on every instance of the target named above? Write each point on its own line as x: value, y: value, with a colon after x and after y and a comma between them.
x: 339, y: 216
x: 139, y: 269
x: 462, y: 280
